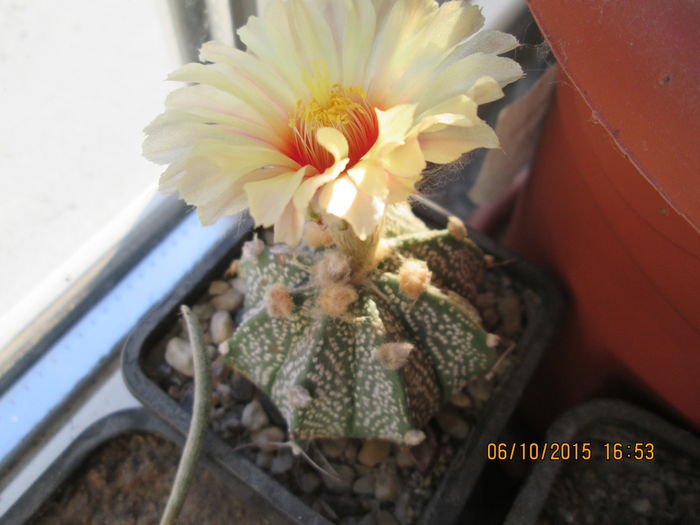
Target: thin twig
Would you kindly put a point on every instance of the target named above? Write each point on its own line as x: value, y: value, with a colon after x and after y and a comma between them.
x: 494, y: 369
x: 198, y: 425
x: 296, y: 450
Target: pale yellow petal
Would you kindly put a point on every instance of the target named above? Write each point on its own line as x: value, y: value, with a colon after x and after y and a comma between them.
x: 310, y: 186
x: 485, y: 90
x: 401, y: 188
x: 222, y: 77
x: 394, y: 125
x: 317, y: 44
x: 451, y: 143
x: 338, y: 196
x: 407, y: 160
x: 334, y: 141
x: 490, y: 42
x: 165, y: 142
x: 232, y: 200
x: 268, y: 198
x: 358, y: 36
x: 457, y: 111
x: 459, y: 77
x: 244, y: 65
x: 237, y: 129
x: 362, y: 211
x: 290, y: 225
x: 271, y: 40
x: 370, y: 177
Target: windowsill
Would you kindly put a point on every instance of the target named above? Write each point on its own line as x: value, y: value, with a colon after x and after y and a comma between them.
x: 63, y: 370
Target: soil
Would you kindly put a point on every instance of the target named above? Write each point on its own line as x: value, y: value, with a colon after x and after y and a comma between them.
x: 128, y: 480
x: 397, y: 487
x: 663, y: 490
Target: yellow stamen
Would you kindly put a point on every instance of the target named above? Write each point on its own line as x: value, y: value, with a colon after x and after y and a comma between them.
x: 343, y: 108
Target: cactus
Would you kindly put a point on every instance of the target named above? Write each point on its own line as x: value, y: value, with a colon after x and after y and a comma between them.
x: 365, y: 354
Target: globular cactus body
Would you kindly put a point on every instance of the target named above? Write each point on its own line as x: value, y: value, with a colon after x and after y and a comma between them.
x: 382, y: 368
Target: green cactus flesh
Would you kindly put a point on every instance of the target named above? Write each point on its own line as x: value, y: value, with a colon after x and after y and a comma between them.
x: 329, y: 359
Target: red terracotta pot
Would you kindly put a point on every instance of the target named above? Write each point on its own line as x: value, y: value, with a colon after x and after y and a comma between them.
x: 612, y: 203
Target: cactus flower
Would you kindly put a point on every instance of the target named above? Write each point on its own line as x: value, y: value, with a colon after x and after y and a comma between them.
x: 335, y: 107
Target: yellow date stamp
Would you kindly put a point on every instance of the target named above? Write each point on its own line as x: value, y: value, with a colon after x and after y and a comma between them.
x: 611, y: 451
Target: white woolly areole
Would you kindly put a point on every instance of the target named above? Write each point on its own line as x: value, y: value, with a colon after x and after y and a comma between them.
x: 252, y: 249
x: 492, y: 340
x: 278, y: 301
x: 393, y: 355
x: 414, y: 437
x: 223, y: 348
x: 298, y: 396
x: 335, y: 299
x: 316, y: 235
x: 334, y: 267
x: 456, y: 228
x: 382, y: 252
x: 414, y: 277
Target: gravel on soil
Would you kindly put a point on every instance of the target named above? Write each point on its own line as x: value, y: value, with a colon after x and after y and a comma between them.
x: 128, y: 480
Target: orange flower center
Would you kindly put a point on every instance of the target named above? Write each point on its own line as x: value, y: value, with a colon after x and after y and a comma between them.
x: 344, y: 109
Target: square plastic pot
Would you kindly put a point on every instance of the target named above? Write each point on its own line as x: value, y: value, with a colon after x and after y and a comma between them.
x: 575, y: 427
x: 543, y: 308
x: 104, y: 431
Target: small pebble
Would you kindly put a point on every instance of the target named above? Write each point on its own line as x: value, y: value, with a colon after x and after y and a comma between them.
x: 218, y: 287
x: 425, y: 453
x: 373, y: 452
x: 320, y: 506
x: 364, y: 485
x: 404, y: 458
x: 241, y: 388
x: 402, y: 508
x: 346, y: 505
x: 511, y: 311
x: 342, y: 482
x: 263, y: 460
x: 308, y: 482
x: 333, y: 448
x: 230, y: 300
x: 254, y: 417
x: 386, y: 518
x: 350, y: 452
x: 283, y: 462
x: 641, y: 506
x: 490, y: 317
x: 178, y: 354
x: 461, y: 400
x: 221, y: 326
x: 452, y: 423
x: 238, y: 284
x: 223, y: 392
x: 230, y: 422
x: 480, y: 389
x: 203, y: 311
x: 485, y: 300
x: 220, y: 370
x: 387, y: 485
x: 367, y: 520
x: 267, y: 435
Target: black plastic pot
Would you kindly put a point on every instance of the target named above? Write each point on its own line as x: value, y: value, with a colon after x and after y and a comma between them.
x: 543, y: 305
x: 575, y: 426
x: 133, y: 421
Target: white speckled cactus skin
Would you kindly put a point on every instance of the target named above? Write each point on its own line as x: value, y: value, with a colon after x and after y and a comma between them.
x: 323, y: 371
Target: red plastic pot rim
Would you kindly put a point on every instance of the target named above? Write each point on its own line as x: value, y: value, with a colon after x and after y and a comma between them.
x: 636, y: 65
